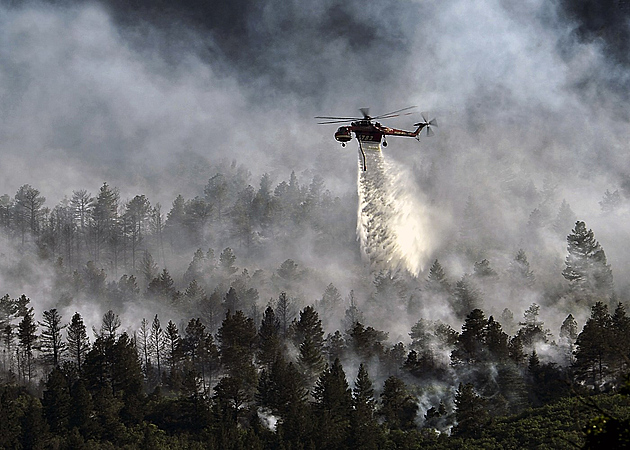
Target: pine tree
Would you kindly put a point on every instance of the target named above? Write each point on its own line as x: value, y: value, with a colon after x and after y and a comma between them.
x: 237, y: 338
x: 496, y: 341
x: 173, y: 345
x: 196, y: 268
x: 620, y: 342
x: 564, y: 219
x: 308, y: 336
x: 269, y: 346
x: 135, y: 218
x: 142, y: 342
x: 467, y: 297
x: 227, y: 258
x: 78, y: 341
x: 28, y: 209
x: 589, y: 275
x: 437, y: 281
x: 367, y: 343
x: 52, y: 345
x: 364, y: 429
x: 27, y: 336
x: 470, y: 345
x: 470, y: 412
x: 105, y: 219
x: 335, y: 346
x: 398, y: 407
x: 519, y: 270
x: 148, y: 268
x: 330, y: 302
x: 109, y: 325
x: 285, y: 312
x: 532, y: 332
x: 175, y: 223
x: 57, y: 402
x: 592, y: 354
x: 157, y: 344
x: 568, y: 336
x: 162, y: 287
x: 353, y: 314
x: 333, y: 407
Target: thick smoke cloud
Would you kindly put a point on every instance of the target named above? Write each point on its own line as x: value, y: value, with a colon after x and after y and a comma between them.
x: 529, y: 102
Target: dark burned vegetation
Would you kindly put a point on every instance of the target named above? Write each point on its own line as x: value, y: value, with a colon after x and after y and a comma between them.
x: 216, y: 325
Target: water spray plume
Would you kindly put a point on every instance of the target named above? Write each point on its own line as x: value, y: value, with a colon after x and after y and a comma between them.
x: 392, y: 218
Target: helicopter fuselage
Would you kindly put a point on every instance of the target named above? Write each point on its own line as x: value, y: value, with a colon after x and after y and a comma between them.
x: 367, y: 131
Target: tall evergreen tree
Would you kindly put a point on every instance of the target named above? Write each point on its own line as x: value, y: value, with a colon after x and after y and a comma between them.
x: 57, y: 401
x: 398, y: 407
x: 470, y: 412
x: 157, y: 344
x: 592, y: 354
x: 587, y: 271
x: 466, y: 297
x: 27, y: 336
x: 364, y: 429
x: 28, y: 210
x: 52, y: 344
x: 519, y: 270
x: 78, y: 341
x: 237, y: 337
x: 309, y: 339
x: 333, y: 407
x: 269, y: 345
x: 470, y: 346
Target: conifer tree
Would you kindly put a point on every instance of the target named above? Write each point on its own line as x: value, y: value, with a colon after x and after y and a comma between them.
x: 592, y: 354
x: 470, y: 346
x: 587, y: 271
x: 620, y: 340
x: 173, y: 346
x: 470, y: 412
x: 157, y: 344
x: 78, y: 341
x: 519, y: 270
x: 568, y: 335
x: 333, y: 407
x: 52, y: 345
x: 269, y: 346
x: 57, y: 401
x: 364, y: 430
x: 398, y: 407
x: 467, y: 297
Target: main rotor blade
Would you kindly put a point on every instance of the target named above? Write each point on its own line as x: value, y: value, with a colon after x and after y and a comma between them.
x: 382, y: 116
x: 337, y: 121
x: 389, y: 116
x: 338, y: 118
x: 365, y: 112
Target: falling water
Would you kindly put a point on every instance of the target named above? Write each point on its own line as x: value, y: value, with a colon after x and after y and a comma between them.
x: 392, y: 218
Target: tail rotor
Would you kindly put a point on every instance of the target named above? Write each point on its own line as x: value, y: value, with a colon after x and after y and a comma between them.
x: 427, y: 125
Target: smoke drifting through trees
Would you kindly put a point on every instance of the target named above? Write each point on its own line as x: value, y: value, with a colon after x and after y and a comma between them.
x: 533, y: 139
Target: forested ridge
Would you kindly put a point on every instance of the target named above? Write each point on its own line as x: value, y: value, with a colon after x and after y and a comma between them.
x: 240, y: 340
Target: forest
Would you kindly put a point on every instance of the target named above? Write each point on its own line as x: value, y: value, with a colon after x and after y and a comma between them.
x: 246, y: 318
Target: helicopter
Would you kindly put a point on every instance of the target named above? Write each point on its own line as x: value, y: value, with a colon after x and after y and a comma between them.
x: 366, y: 130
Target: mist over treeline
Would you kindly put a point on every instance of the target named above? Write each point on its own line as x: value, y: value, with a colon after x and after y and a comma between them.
x: 292, y: 236
x: 147, y: 330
